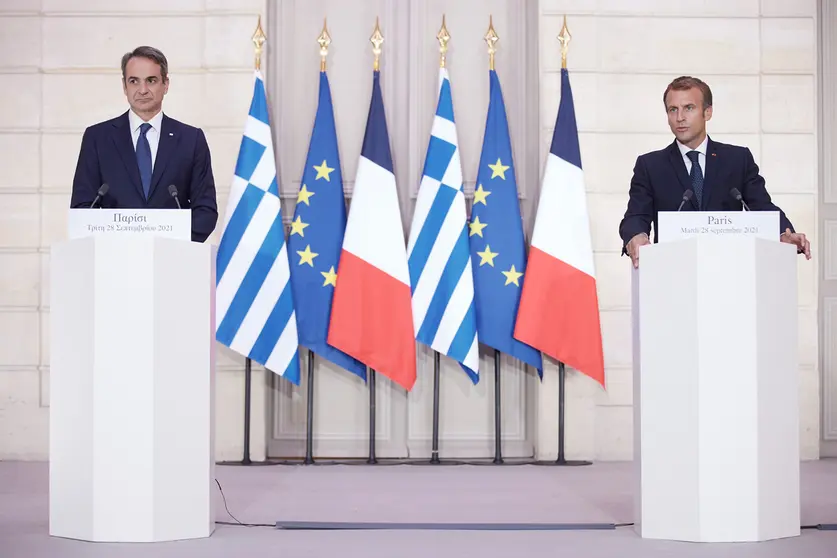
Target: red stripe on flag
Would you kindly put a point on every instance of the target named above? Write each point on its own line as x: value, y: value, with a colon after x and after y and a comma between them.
x: 559, y: 314
x: 371, y: 320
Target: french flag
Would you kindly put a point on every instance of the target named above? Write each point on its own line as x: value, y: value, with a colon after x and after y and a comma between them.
x: 559, y: 306
x: 371, y: 314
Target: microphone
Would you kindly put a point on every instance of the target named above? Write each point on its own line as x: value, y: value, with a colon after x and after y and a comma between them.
x: 100, y: 194
x: 173, y: 192
x: 737, y: 195
x: 687, y: 195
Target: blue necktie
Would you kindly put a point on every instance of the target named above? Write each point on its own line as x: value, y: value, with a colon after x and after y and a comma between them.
x: 144, y: 158
x: 697, y: 177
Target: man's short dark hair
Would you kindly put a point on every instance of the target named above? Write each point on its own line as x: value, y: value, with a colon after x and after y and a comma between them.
x: 684, y: 83
x: 152, y: 54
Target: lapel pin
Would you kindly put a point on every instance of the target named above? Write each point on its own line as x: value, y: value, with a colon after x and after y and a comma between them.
x: 172, y: 133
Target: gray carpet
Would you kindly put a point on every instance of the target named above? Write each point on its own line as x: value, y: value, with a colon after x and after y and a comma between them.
x: 462, y: 494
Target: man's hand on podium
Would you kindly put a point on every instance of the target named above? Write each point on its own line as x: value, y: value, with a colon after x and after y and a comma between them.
x: 803, y: 246
x: 633, y: 247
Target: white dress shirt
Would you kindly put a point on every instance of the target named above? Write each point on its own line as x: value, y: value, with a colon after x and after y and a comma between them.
x: 701, y: 158
x: 153, y: 134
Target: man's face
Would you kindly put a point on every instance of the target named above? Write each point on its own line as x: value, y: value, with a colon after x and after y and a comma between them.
x: 686, y: 116
x: 144, y: 86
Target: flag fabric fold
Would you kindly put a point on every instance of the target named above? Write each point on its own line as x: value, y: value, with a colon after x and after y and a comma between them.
x: 559, y: 308
x: 444, y: 315
x: 496, y: 237
x: 254, y: 304
x: 316, y: 237
x: 371, y: 314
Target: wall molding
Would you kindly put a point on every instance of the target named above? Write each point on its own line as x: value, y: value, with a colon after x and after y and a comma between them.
x: 827, y: 277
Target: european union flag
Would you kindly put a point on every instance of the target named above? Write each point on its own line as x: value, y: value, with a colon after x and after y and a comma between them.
x: 316, y: 237
x: 498, y: 247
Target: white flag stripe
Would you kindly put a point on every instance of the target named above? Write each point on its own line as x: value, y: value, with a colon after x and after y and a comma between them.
x: 444, y: 129
x: 236, y: 191
x: 455, y: 312
x: 263, y: 304
x: 423, y: 204
x: 435, y: 267
x: 561, y: 225
x: 265, y: 171
x: 285, y: 348
x: 244, y: 254
x: 258, y: 131
x: 472, y: 361
x: 375, y: 200
x: 453, y: 178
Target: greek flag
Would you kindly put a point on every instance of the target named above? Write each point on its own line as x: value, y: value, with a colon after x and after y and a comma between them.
x: 253, y: 299
x: 439, y: 257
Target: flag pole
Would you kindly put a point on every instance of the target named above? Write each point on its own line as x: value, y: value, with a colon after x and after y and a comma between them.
x: 248, y: 365
x: 443, y: 37
x: 372, y: 460
x: 259, y: 39
x: 491, y: 39
x: 323, y: 40
x: 564, y: 38
x: 377, y: 40
x: 309, y: 419
x: 498, y: 417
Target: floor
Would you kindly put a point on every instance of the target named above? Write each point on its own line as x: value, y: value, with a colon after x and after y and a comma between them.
x: 600, y: 493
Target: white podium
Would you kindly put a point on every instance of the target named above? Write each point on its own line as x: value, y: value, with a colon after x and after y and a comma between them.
x: 716, y: 429
x: 132, y: 370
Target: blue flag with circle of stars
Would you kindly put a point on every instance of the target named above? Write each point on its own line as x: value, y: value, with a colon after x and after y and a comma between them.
x: 316, y: 237
x: 498, y: 246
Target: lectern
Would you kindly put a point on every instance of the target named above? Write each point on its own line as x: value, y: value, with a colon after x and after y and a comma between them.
x: 132, y: 369
x: 716, y: 429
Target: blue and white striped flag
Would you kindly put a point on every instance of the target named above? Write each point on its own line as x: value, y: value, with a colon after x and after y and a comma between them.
x: 254, y: 303
x: 439, y: 256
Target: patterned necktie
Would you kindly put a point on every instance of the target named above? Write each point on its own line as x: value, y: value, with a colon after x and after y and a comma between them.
x: 697, y: 177
x: 144, y: 158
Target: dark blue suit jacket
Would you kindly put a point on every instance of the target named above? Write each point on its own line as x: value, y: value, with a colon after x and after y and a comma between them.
x: 660, y: 179
x: 107, y: 156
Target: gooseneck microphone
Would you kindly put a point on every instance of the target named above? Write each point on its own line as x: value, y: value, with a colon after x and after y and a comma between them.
x: 173, y: 192
x: 687, y: 195
x: 103, y: 189
x: 737, y: 195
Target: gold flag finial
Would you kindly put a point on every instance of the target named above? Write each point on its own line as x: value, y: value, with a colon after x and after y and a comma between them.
x: 443, y: 37
x: 491, y: 39
x: 377, y: 39
x: 324, y: 40
x: 564, y: 38
x: 259, y: 39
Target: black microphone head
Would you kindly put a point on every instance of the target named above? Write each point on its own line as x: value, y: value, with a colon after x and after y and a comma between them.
x: 735, y: 194
x: 687, y: 195
x: 103, y: 189
x: 173, y: 190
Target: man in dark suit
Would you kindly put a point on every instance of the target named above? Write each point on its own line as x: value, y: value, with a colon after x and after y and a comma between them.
x: 142, y: 152
x: 693, y: 161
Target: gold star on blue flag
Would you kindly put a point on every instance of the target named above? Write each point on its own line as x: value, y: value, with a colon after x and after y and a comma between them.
x: 316, y: 237
x: 498, y: 246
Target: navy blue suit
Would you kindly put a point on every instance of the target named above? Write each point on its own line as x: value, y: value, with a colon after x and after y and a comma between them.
x: 660, y: 179
x: 107, y: 156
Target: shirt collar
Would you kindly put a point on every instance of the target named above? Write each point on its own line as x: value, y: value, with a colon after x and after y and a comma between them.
x: 700, y: 148
x: 135, y: 121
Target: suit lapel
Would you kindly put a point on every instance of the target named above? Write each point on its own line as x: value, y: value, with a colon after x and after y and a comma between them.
x: 676, y: 160
x: 125, y: 148
x: 711, y: 187
x: 169, y: 137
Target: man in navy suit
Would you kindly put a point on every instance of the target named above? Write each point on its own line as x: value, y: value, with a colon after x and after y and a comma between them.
x: 142, y: 153
x: 693, y: 161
